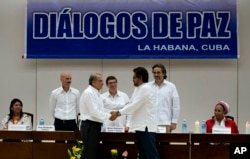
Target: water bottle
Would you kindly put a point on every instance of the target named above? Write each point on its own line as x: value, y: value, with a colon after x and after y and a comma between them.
x: 184, y: 126
x: 203, y: 127
x: 42, y: 122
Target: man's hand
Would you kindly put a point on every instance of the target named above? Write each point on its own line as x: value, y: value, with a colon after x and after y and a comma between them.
x: 173, y: 126
x: 113, y: 116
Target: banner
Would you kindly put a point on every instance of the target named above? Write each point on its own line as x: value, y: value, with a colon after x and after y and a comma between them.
x: 123, y: 29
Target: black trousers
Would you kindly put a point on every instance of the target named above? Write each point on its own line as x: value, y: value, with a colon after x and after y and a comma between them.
x: 65, y: 125
x: 90, y: 132
x: 147, y: 145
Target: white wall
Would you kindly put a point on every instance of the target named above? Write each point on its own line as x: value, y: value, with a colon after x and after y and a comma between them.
x: 200, y: 82
x: 243, y: 64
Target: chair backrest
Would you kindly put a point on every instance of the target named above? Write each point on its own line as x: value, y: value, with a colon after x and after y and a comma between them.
x: 31, y: 115
x: 78, y: 121
x: 230, y: 117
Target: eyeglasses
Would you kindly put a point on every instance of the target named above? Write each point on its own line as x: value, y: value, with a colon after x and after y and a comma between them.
x: 109, y: 83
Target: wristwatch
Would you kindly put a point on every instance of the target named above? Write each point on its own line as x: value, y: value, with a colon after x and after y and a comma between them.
x: 118, y: 113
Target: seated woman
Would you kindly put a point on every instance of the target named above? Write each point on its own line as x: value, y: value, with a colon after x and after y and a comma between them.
x: 16, y: 116
x: 220, y: 121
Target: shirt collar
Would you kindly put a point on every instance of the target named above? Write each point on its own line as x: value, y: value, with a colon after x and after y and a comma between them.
x: 221, y: 124
x: 94, y: 89
x: 163, y: 83
x: 117, y: 94
x: 62, y: 90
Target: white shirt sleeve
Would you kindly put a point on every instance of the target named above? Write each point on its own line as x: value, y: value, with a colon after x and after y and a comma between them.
x: 52, y: 104
x: 176, y: 106
x: 91, y: 105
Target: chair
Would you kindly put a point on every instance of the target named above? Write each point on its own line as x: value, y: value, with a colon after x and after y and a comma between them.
x: 31, y: 115
x: 230, y: 117
x: 78, y: 121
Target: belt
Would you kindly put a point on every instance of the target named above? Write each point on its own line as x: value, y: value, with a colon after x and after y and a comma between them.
x: 91, y: 122
x: 65, y: 121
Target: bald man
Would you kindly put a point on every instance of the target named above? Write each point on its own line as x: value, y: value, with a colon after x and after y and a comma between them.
x: 64, y: 104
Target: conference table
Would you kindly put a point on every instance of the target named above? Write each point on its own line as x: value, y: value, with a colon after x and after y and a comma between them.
x: 54, y: 145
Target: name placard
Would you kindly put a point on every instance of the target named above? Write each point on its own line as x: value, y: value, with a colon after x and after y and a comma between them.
x: 221, y: 131
x: 17, y: 127
x: 115, y: 129
x: 45, y: 128
x: 161, y: 129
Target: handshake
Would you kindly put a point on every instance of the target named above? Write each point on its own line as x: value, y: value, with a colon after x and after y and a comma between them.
x: 114, y: 115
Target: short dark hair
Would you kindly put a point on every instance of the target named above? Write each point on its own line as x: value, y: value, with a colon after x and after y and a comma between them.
x: 163, y: 69
x: 141, y: 72
x: 110, y: 78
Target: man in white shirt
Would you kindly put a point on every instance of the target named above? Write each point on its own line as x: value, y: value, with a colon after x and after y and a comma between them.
x: 92, y: 114
x: 166, y: 98
x: 64, y: 104
x: 143, y: 115
x: 117, y: 96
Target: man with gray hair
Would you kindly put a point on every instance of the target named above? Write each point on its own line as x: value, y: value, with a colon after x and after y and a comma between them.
x: 92, y: 115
